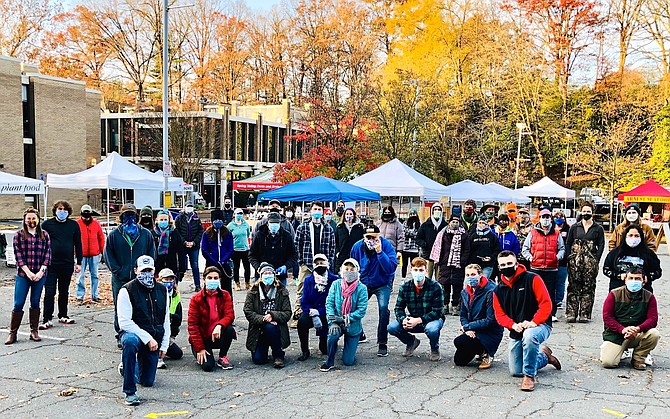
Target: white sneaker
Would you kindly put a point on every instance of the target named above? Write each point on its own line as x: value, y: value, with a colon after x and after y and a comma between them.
x: 627, y: 354
x: 161, y: 364
x: 120, y: 369
x: 649, y: 360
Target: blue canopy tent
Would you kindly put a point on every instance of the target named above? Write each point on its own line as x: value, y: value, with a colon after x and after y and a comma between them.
x: 320, y: 188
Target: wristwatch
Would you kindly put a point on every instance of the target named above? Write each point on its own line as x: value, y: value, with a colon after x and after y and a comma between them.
x: 43, y: 269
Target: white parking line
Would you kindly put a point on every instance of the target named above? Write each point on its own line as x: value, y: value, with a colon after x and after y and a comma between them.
x: 41, y: 335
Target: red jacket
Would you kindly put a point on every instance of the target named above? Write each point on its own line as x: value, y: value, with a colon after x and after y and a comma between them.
x: 544, y: 249
x: 198, y: 316
x: 544, y: 305
x: 92, y: 238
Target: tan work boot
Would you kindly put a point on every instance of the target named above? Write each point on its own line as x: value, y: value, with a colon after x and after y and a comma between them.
x: 527, y: 383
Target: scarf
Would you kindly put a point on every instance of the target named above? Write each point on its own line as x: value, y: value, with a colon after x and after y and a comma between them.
x: 320, y: 282
x: 483, y: 232
x: 347, y: 291
x: 436, y: 223
x: 454, y: 258
x: 132, y: 230
x: 267, y: 300
x: 163, y: 241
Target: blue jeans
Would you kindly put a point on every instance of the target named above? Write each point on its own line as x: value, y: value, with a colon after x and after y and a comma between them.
x: 432, y: 330
x: 92, y: 263
x: 383, y: 294
x: 192, y: 254
x: 21, y: 287
x: 487, y: 271
x: 348, y: 352
x: 561, y: 280
x: 525, y: 356
x: 270, y: 338
x: 136, y: 354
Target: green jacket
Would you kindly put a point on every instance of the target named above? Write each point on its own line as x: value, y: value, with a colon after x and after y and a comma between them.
x: 253, y: 311
x: 623, y: 308
x: 427, y: 304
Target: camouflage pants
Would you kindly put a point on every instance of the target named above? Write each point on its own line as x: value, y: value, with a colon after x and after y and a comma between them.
x: 582, y: 273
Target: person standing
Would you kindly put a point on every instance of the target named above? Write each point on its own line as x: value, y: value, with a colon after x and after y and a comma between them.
x: 522, y: 230
x: 274, y: 245
x: 484, y: 247
x: 339, y: 212
x: 190, y: 229
x: 584, y: 246
x: 147, y: 218
x: 328, y: 218
x: 489, y: 212
x: 469, y: 217
x: 241, y: 232
x: 144, y: 321
x: 410, y: 230
x: 425, y: 237
x: 506, y: 236
x: 562, y: 275
x: 451, y: 252
x: 65, y: 237
x: 632, y: 215
x: 167, y: 241
x: 313, y: 237
x: 124, y: 245
x: 523, y: 305
x: 217, y: 249
x: 377, y: 260
x: 632, y: 252
x: 228, y: 212
x: 543, y: 248
x: 391, y: 229
x: 32, y: 251
x: 348, y: 232
x: 92, y: 246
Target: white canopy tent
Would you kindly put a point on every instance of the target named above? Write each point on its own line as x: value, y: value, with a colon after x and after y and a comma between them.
x: 18, y: 185
x: 395, y: 178
x: 467, y: 189
x: 546, y: 187
x: 514, y: 196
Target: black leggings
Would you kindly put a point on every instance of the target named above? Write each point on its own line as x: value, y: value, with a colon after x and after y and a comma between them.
x: 223, y: 344
x: 304, y: 324
x: 241, y: 256
x: 174, y: 351
x: 466, y: 349
x: 407, y: 261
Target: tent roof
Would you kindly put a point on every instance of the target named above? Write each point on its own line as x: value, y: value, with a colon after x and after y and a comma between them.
x: 650, y: 191
x: 18, y: 185
x: 513, y: 196
x: 468, y: 189
x: 395, y: 178
x: 114, y: 172
x: 321, y: 188
x: 546, y: 187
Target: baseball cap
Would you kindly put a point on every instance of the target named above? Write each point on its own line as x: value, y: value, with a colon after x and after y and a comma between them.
x: 274, y: 201
x: 238, y: 211
x: 128, y: 208
x: 166, y: 273
x: 319, y: 256
x: 86, y: 208
x: 188, y: 204
x: 144, y: 262
x: 545, y: 212
x: 371, y: 229
x: 274, y: 217
x: 353, y: 262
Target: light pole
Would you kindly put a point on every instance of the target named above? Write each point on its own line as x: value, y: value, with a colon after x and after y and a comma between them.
x: 521, y: 127
x: 567, y: 156
x: 416, y: 116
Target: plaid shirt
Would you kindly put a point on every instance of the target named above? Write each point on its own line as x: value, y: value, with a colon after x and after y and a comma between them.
x: 31, y: 251
x: 303, y: 244
x: 426, y: 304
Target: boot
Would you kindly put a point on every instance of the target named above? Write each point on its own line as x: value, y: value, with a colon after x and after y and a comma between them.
x: 571, y: 307
x: 34, y: 324
x: 14, y: 323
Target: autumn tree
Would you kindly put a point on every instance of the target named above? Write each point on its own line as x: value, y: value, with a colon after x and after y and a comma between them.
x: 627, y: 17
x: 22, y: 24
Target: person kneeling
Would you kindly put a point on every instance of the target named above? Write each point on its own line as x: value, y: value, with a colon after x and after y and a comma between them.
x: 630, y: 315
x: 313, y: 304
x: 418, y: 309
x: 268, y: 310
x: 480, y: 332
x: 144, y: 320
x: 346, y: 305
x: 210, y: 322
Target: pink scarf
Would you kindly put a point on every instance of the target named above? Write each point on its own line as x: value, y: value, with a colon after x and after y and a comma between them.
x: 347, y: 291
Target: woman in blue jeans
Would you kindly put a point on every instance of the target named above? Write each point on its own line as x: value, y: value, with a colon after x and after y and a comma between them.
x: 32, y: 249
x: 346, y: 305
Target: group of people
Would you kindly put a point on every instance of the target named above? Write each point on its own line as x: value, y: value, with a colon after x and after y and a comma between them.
x: 495, y: 271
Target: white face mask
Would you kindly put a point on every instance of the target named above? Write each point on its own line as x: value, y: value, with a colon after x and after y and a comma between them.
x: 545, y: 222
x: 188, y: 210
x: 633, y: 241
x: 632, y: 216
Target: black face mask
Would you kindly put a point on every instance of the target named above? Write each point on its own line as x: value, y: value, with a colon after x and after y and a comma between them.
x: 508, y: 272
x: 274, y: 210
x: 321, y: 270
x: 586, y: 216
x: 387, y: 217
x: 146, y: 221
x: 226, y: 206
x: 339, y: 210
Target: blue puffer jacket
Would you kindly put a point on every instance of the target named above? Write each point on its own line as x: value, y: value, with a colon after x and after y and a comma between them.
x: 377, y: 269
x: 359, y: 305
x: 478, y: 316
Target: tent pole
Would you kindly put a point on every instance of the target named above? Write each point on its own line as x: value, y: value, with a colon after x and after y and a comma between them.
x: 46, y: 193
x: 107, y: 209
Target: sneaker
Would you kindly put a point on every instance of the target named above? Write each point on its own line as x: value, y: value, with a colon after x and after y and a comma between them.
x: 279, y: 363
x: 382, y: 351
x: 120, y: 369
x: 132, y: 400
x: 409, y: 350
x: 96, y: 300
x: 487, y: 360
x: 554, y: 318
x: 649, y: 360
x: 248, y: 286
x: 66, y: 320
x: 161, y: 364
x: 435, y: 355
x: 224, y: 363
x: 237, y: 287
x: 363, y: 338
x: 80, y: 301
x: 46, y: 325
x: 325, y: 367
x: 627, y: 354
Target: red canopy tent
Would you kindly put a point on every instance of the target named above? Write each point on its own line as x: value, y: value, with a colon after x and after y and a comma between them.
x: 649, y: 191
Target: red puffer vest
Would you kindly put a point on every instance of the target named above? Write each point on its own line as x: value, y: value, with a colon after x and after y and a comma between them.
x: 544, y: 249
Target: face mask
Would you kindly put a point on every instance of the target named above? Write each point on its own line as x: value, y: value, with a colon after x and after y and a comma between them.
x: 31, y: 223
x: 633, y: 285
x: 369, y: 243
x: 188, y: 210
x: 339, y: 210
x: 472, y: 281
x: 317, y: 214
x: 437, y: 214
x: 633, y: 241
x: 146, y: 279
x: 211, y: 284
x: 387, y: 217
x: 321, y: 270
x: 289, y: 214
x: 273, y: 227
x: 469, y: 211
x: 545, y: 222
x: 268, y: 280
x: 274, y: 210
x: 559, y: 221
x: 327, y: 217
x: 586, y: 216
x: 349, y: 218
x: 524, y: 218
x: 350, y: 276
x: 239, y: 217
x: 130, y: 219
x: 508, y: 272
x: 217, y: 224
x: 632, y: 217
x: 481, y: 228
x: 163, y: 224
x: 169, y: 285
x: 145, y: 220
x: 453, y: 226
x: 61, y: 215
x: 503, y: 225
x: 226, y: 206
x: 418, y: 277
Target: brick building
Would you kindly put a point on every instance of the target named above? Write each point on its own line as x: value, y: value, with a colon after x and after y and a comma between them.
x: 47, y: 125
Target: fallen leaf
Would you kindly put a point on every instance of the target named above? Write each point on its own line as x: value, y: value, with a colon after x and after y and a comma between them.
x: 232, y: 406
x: 185, y: 394
x: 238, y: 394
x: 67, y: 392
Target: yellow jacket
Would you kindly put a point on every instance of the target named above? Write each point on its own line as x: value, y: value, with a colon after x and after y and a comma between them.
x: 649, y: 236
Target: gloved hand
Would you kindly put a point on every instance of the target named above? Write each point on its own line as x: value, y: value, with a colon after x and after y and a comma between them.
x: 316, y: 321
x: 334, y: 330
x: 313, y: 312
x: 281, y: 270
x: 336, y: 319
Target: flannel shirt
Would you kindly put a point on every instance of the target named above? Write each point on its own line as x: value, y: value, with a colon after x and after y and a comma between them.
x: 427, y: 304
x: 31, y: 251
x: 303, y: 244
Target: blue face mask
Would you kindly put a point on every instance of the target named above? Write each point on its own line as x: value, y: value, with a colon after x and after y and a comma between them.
x: 169, y: 285
x: 239, y: 217
x: 217, y: 224
x: 211, y: 284
x: 327, y: 217
x: 559, y: 221
x: 317, y: 215
x: 268, y: 280
x: 163, y: 224
x: 273, y: 227
x: 633, y: 285
x: 129, y: 219
x: 146, y: 279
x: 62, y: 215
x: 472, y: 281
